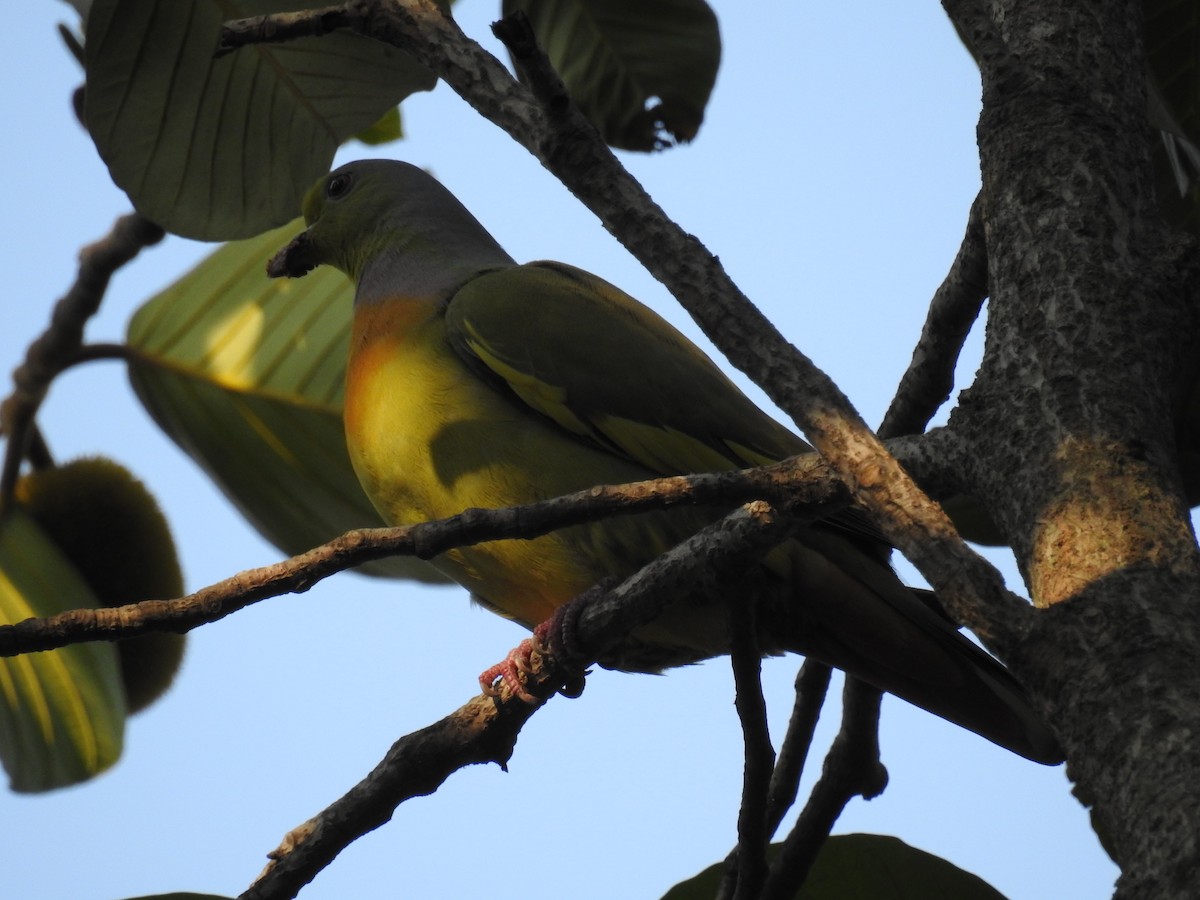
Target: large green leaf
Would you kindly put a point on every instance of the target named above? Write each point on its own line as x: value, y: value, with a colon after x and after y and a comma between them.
x: 245, y: 374
x: 636, y: 68
x: 864, y: 867
x: 62, y: 712
x: 225, y: 148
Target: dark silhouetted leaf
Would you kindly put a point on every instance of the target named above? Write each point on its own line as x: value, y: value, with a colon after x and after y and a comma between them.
x: 1172, y: 29
x: 864, y: 867
x: 640, y: 70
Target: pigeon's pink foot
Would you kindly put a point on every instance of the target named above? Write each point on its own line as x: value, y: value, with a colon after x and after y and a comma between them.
x: 512, y: 671
x: 556, y: 637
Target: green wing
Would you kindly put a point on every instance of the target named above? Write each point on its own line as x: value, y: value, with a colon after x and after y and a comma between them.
x: 608, y: 369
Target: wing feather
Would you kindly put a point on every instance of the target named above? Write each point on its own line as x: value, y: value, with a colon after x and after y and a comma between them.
x: 608, y: 369
x: 605, y: 367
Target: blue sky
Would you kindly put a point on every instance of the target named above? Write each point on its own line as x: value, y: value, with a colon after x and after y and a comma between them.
x: 833, y: 177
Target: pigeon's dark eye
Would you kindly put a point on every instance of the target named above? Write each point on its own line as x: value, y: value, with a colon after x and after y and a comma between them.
x: 338, y: 185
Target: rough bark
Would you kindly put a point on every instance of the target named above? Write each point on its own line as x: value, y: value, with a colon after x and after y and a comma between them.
x: 1091, y: 326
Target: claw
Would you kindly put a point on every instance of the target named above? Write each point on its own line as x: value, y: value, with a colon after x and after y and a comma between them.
x: 557, y: 637
x: 511, y: 672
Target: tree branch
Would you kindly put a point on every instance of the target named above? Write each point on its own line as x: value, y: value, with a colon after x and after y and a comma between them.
x: 57, y: 345
x: 801, y: 480
x: 852, y: 768
x: 1071, y: 422
x: 485, y: 730
x: 812, y: 685
x: 280, y: 28
x: 925, y: 386
x: 753, y: 833
x: 927, y: 383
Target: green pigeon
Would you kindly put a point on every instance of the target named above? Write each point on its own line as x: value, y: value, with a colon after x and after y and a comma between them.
x: 474, y: 381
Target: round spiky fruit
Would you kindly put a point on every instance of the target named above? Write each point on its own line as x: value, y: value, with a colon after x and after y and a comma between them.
x: 111, y: 528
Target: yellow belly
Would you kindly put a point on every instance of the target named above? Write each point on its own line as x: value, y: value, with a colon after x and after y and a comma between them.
x: 428, y: 438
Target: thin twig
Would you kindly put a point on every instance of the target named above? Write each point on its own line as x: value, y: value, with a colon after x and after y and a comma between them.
x: 812, y: 684
x: 38, y: 451
x: 927, y: 383
x: 100, y: 351
x: 516, y: 33
x: 53, y: 350
x: 283, y: 27
x: 746, y: 659
x: 852, y: 768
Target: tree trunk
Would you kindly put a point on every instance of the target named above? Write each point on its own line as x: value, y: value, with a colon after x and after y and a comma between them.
x: 1091, y: 339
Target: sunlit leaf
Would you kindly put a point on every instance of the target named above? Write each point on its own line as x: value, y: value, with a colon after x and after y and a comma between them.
x: 245, y: 374
x: 640, y: 70
x: 219, y: 148
x: 386, y: 129
x: 864, y: 867
x: 62, y: 712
